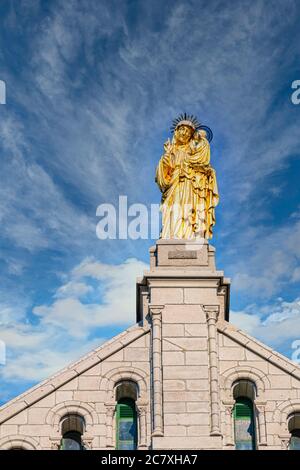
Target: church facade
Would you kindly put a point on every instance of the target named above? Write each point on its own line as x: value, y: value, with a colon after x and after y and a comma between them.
x: 182, y: 377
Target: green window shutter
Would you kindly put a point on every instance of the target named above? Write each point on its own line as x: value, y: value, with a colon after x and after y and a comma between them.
x: 244, y: 424
x: 126, y: 410
x: 126, y: 428
x: 243, y: 410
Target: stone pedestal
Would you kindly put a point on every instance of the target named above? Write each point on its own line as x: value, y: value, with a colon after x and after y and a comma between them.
x: 182, y: 272
x: 183, y: 296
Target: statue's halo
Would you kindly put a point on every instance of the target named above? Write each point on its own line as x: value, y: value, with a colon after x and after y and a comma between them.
x: 192, y: 121
x: 209, y: 132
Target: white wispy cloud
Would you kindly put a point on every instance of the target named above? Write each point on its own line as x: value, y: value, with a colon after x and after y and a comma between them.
x: 33, y: 209
x: 62, y: 331
x: 115, y: 302
x: 73, y: 289
x: 275, y: 323
x: 271, y: 260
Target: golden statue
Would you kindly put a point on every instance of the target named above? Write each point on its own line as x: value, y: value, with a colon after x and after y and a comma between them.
x: 187, y: 182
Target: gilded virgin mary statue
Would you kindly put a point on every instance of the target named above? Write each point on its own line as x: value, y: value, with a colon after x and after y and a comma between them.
x: 187, y: 182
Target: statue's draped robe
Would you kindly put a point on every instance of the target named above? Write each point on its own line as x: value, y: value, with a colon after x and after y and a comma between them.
x: 190, y: 192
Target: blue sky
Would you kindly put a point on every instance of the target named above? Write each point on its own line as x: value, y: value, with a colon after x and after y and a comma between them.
x: 92, y: 88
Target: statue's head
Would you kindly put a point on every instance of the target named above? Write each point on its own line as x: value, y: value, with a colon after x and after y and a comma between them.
x: 184, y: 133
x: 186, y: 126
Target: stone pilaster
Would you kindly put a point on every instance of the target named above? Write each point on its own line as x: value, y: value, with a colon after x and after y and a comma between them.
x: 142, y: 415
x: 110, y: 412
x: 156, y: 313
x: 212, y: 312
x: 261, y: 418
x: 229, y: 435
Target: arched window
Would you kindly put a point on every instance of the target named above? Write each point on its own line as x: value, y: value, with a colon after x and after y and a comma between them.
x: 244, y: 418
x: 72, y: 428
x: 294, y: 428
x: 126, y: 416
